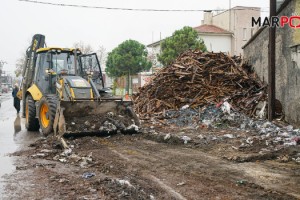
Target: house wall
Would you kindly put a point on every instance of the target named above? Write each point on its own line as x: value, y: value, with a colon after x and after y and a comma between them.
x: 238, y: 21
x: 152, y: 55
x: 287, y: 64
x: 222, y: 20
x: 208, y: 15
x: 217, y: 43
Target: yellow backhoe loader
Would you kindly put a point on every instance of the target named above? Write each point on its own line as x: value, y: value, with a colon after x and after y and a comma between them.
x: 63, y: 92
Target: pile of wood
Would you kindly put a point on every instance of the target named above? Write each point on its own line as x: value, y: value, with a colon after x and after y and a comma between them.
x: 197, y: 79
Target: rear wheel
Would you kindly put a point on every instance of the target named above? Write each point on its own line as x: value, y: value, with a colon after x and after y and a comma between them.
x: 32, y: 123
x: 47, y: 110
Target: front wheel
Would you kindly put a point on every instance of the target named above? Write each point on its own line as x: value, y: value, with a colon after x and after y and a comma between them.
x: 32, y: 123
x: 47, y: 110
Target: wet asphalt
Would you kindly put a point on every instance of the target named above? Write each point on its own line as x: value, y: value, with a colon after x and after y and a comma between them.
x: 13, y: 136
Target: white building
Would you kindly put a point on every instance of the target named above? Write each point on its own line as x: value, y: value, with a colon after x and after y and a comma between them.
x: 154, y: 50
x: 238, y: 21
x: 225, y: 32
x: 215, y: 38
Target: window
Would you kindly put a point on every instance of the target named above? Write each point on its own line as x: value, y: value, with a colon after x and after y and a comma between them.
x: 244, y: 33
x: 63, y: 61
x: 252, y: 31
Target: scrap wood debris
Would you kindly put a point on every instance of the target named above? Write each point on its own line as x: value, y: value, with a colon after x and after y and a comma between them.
x: 197, y: 79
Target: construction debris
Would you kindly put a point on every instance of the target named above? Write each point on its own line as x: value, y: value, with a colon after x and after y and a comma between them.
x: 88, y: 175
x: 197, y: 79
x: 109, y: 123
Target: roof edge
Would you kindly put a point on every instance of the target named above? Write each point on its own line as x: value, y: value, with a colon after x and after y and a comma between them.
x: 154, y: 43
x: 212, y: 33
x: 237, y: 8
x: 224, y: 31
x: 55, y: 48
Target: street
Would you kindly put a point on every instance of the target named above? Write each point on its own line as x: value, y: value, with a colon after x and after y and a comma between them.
x: 140, y: 166
x: 183, y: 100
x: 7, y: 144
x: 12, y: 136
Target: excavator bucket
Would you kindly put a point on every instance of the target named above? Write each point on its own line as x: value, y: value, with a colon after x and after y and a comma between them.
x: 81, y: 118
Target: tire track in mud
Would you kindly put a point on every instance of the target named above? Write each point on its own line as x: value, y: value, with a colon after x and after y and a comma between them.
x: 152, y: 169
x: 169, y: 162
x: 269, y: 175
x: 167, y: 188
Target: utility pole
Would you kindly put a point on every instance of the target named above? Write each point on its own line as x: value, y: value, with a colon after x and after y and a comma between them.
x: 271, y: 64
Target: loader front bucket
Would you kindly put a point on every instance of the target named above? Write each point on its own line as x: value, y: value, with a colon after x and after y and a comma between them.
x: 94, y: 118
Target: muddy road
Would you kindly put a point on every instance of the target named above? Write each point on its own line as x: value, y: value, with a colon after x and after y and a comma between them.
x: 140, y: 166
x: 7, y: 145
x: 13, y: 136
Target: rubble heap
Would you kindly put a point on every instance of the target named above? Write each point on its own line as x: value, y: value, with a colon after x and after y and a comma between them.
x: 199, y: 78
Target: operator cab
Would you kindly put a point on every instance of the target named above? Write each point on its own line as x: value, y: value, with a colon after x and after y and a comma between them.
x: 51, y: 62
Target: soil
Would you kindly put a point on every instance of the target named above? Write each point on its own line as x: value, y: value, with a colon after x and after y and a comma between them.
x: 97, y: 117
x: 155, y: 165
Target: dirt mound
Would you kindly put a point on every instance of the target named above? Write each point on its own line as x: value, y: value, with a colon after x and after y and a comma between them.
x: 200, y: 78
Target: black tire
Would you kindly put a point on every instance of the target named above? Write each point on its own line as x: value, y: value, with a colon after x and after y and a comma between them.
x: 32, y: 123
x: 46, y: 117
x: 23, y: 102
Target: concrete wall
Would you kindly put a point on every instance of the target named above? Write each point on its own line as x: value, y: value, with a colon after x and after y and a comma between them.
x: 207, y: 17
x: 222, y: 20
x: 287, y: 70
x: 217, y: 43
x: 243, y: 22
x: 238, y: 21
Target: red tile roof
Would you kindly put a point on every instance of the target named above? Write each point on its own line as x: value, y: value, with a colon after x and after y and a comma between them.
x: 205, y: 28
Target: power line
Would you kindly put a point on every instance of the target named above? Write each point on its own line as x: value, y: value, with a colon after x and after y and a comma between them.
x: 124, y: 9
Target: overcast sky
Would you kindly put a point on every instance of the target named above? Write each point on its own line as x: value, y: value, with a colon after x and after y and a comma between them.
x: 63, y: 26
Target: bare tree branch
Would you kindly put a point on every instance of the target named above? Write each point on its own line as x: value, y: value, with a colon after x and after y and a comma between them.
x: 85, y: 48
x: 20, y: 64
x: 102, y: 56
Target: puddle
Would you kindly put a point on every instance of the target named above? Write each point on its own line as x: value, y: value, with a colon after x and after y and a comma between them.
x: 12, y: 136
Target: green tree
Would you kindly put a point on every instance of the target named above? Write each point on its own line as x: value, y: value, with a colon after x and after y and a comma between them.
x: 180, y: 41
x: 111, y: 69
x: 130, y: 57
